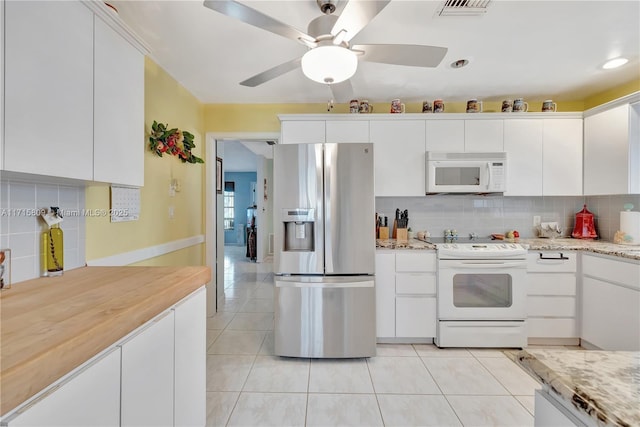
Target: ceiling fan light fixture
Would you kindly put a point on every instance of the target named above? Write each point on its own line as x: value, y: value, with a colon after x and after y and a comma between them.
x: 329, y: 64
x: 615, y: 63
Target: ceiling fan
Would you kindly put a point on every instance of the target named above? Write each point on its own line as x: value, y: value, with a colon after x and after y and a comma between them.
x: 331, y: 59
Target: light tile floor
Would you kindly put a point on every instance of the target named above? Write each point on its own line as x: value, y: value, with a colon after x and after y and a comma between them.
x: 404, y: 385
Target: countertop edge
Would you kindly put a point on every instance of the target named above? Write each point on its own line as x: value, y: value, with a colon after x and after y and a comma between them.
x: 24, y: 380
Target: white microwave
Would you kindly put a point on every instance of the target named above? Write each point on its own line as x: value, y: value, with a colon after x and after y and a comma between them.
x: 466, y: 172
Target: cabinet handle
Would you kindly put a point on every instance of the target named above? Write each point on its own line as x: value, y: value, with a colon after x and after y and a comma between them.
x: 558, y: 258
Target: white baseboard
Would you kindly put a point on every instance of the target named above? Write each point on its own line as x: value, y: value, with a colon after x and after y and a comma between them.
x: 138, y: 255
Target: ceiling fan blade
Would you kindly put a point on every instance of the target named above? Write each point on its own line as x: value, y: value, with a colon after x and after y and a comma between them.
x: 251, y: 16
x: 356, y: 15
x: 402, y: 54
x: 342, y: 92
x: 271, y: 73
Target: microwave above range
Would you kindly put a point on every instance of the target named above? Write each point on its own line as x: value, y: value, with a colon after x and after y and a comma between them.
x: 465, y: 172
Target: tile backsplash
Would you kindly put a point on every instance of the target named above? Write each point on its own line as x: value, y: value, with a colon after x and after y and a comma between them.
x: 484, y: 215
x: 20, y: 228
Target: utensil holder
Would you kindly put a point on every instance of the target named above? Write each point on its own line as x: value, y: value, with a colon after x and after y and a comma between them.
x: 384, y: 233
x: 401, y: 234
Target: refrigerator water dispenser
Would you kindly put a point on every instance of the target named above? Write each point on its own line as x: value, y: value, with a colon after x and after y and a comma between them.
x: 299, y: 228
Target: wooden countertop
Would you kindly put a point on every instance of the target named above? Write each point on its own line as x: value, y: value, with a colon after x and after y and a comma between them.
x: 50, y: 326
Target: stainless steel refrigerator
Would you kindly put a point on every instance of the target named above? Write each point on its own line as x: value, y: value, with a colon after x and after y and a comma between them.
x: 324, y: 258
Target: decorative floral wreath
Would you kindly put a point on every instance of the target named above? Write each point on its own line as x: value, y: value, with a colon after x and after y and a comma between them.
x: 172, y: 141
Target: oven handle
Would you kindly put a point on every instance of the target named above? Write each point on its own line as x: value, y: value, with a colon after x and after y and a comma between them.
x: 487, y: 265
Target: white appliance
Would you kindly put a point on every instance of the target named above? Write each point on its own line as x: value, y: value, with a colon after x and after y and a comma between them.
x: 481, y: 294
x: 466, y: 172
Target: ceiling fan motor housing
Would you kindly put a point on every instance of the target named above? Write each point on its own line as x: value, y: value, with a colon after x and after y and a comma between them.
x: 327, y: 6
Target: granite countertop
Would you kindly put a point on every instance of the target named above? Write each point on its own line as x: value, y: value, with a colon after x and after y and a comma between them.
x: 561, y: 244
x: 404, y: 244
x: 595, y: 246
x: 600, y: 385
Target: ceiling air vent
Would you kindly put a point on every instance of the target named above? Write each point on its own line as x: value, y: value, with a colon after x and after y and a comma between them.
x: 464, y: 7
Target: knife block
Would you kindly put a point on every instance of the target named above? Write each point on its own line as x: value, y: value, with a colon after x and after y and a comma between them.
x: 401, y: 234
x: 384, y: 233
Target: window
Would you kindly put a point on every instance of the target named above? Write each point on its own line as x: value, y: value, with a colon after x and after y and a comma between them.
x: 229, y: 204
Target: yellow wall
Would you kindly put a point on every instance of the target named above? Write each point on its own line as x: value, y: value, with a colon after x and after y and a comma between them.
x: 168, y: 102
x: 611, y: 94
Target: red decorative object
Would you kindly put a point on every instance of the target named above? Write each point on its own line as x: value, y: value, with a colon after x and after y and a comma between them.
x: 585, y: 227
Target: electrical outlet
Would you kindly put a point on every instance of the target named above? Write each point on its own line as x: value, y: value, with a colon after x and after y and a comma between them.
x: 536, y: 220
x: 171, y: 212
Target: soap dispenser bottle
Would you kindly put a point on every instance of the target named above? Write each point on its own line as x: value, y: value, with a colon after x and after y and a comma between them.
x: 52, y: 244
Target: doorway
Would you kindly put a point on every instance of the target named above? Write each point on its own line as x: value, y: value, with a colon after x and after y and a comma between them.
x: 214, y: 211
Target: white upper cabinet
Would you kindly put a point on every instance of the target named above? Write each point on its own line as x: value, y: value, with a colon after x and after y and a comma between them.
x: 49, y: 89
x: 118, y: 132
x: 523, y: 144
x: 484, y: 136
x: 302, y: 131
x: 445, y: 135
x: 347, y: 131
x: 399, y: 157
x: 562, y: 157
x: 612, y: 151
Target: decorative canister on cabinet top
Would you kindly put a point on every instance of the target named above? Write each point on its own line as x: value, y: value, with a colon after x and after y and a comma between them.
x: 585, y: 227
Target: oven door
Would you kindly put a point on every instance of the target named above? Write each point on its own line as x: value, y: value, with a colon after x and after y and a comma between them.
x: 482, y: 290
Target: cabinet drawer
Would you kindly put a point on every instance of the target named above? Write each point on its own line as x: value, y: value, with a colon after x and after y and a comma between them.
x: 612, y: 270
x: 551, y: 284
x: 415, y: 317
x: 551, y: 261
x: 423, y: 261
x: 416, y: 283
x: 552, y: 328
x: 551, y: 306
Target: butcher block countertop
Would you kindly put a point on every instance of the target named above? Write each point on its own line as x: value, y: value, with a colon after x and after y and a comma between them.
x: 52, y: 325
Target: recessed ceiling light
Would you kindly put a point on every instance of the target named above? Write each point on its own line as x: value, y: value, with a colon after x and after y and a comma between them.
x: 615, y: 63
x: 459, y: 63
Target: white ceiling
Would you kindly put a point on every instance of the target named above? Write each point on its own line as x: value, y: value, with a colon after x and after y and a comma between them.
x: 531, y: 49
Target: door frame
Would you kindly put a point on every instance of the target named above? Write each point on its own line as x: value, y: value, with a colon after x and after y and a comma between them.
x: 214, y: 260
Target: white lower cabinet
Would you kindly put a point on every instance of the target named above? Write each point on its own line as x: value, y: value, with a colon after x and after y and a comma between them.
x: 147, y: 374
x: 88, y: 397
x: 156, y: 376
x: 611, y: 302
x: 190, y: 382
x: 551, y: 295
x: 550, y: 413
x: 385, y: 294
x: 406, y: 295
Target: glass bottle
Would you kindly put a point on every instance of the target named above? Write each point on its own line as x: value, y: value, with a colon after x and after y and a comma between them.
x: 52, y: 251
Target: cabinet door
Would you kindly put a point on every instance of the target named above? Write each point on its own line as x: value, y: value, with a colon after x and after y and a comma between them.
x: 147, y: 374
x: 483, y: 136
x: 302, y: 131
x: 49, y: 88
x: 445, y: 135
x: 385, y: 295
x: 88, y: 397
x: 415, y: 317
x: 119, y: 109
x: 606, y: 152
x: 610, y: 315
x: 347, y: 131
x: 399, y: 157
x: 2, y: 84
x: 562, y: 157
x: 523, y: 145
x: 191, y: 360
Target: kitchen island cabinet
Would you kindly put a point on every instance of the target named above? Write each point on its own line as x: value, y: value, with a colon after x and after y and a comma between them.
x: 51, y: 327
